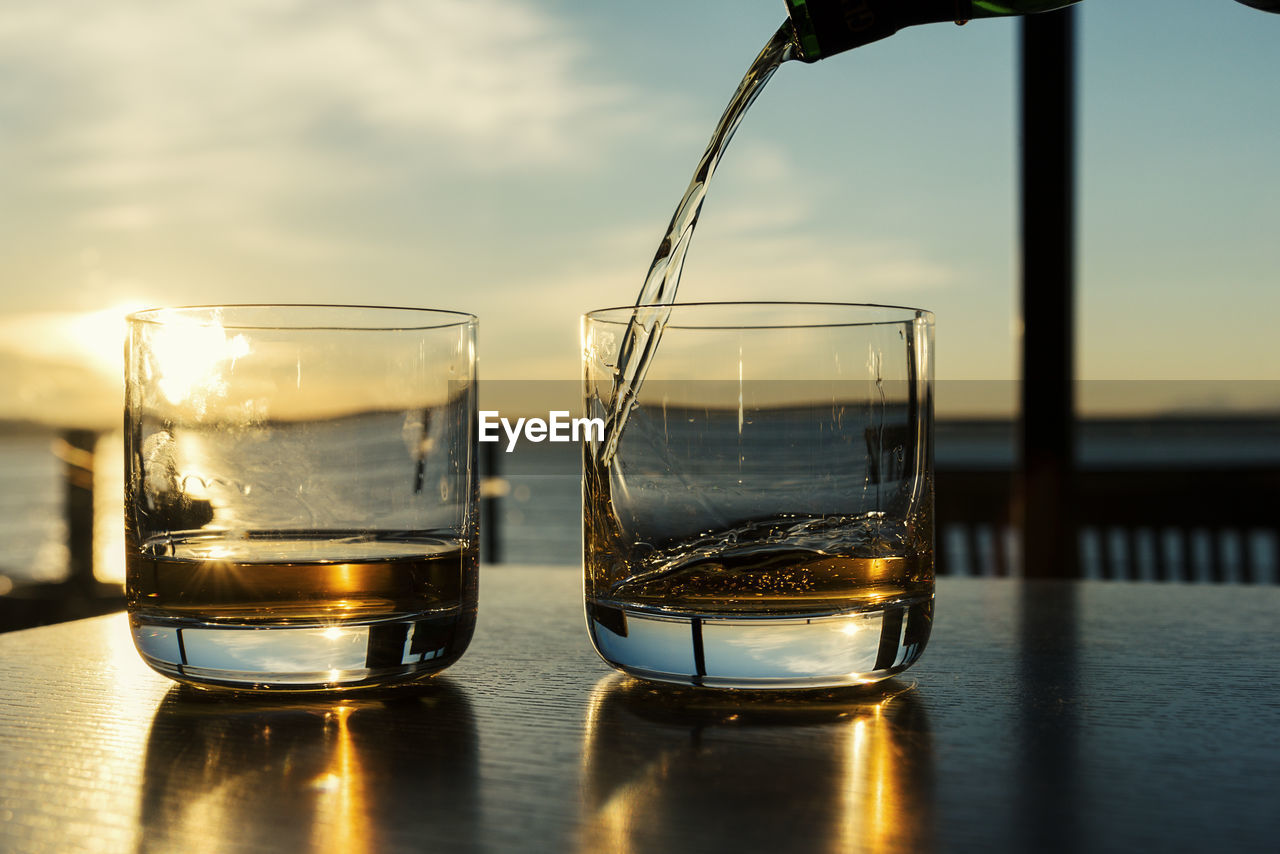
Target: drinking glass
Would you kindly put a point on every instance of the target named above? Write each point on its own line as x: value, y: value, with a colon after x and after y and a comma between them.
x: 758, y: 509
x: 300, y: 494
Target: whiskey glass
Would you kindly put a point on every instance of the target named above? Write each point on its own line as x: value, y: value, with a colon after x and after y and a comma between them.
x: 300, y: 494
x: 758, y: 509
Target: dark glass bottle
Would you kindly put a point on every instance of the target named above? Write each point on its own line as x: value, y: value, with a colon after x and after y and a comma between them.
x: 827, y: 27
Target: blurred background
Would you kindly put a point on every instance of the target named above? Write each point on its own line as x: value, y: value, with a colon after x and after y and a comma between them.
x: 519, y: 159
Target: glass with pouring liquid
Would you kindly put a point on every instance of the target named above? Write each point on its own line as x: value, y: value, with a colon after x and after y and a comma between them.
x: 300, y: 494
x: 762, y: 516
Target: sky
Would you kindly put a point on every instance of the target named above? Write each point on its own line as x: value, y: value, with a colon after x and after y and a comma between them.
x: 519, y: 159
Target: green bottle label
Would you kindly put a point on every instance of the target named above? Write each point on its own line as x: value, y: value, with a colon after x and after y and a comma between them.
x: 798, y: 10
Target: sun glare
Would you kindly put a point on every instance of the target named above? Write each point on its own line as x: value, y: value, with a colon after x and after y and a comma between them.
x: 97, y: 337
x: 189, y: 356
x: 88, y: 339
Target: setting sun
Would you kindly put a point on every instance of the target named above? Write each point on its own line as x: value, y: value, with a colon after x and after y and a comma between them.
x: 63, y: 367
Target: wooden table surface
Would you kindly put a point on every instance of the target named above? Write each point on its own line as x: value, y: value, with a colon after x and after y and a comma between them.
x: 1072, y: 716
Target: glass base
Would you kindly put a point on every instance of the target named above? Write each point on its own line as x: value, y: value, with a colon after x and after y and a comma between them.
x: 302, y: 657
x: 735, y: 651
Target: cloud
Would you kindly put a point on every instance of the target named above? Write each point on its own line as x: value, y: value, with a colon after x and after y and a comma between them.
x: 761, y: 236
x: 541, y: 340
x: 230, y: 118
x: 759, y: 239
x: 155, y: 86
x: 747, y: 260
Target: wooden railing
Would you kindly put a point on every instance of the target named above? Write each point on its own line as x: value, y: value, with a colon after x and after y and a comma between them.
x: 1190, y: 524
x: 1215, y: 524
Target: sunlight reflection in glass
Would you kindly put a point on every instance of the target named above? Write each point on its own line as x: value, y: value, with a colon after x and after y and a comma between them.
x: 192, y: 355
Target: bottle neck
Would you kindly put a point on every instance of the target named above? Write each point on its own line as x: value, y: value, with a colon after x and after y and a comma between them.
x: 827, y: 27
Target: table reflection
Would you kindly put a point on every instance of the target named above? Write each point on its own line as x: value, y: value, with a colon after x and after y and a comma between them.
x: 309, y: 775
x: 848, y: 770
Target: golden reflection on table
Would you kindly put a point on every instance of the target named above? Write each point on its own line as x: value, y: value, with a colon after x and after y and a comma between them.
x: 298, y: 775
x: 1041, y: 710
x: 730, y: 763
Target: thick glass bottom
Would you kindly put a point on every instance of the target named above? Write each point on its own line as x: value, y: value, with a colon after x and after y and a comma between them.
x: 303, y: 656
x: 762, y: 651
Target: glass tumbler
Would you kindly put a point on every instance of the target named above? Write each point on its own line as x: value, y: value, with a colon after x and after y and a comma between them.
x: 300, y: 494
x: 758, y: 505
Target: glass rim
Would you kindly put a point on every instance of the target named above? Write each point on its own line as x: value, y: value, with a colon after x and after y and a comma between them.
x: 601, y: 315
x: 160, y: 315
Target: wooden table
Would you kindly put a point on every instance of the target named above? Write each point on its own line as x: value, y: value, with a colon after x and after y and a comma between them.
x: 1073, y: 716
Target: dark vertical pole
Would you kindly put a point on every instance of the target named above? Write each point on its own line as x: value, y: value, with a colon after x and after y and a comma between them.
x: 490, y: 513
x: 1046, y: 435
x: 76, y: 450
